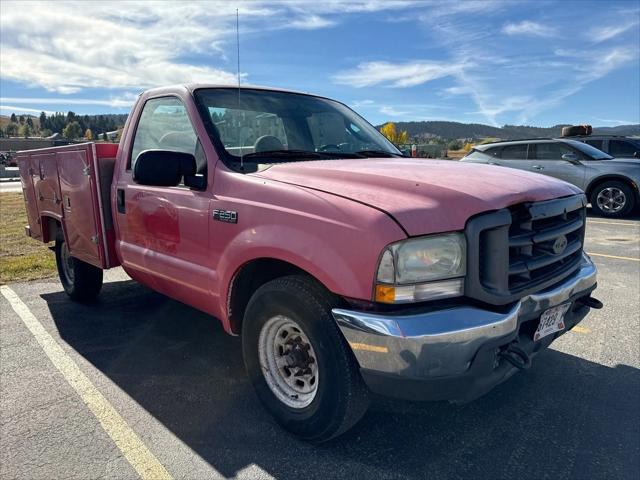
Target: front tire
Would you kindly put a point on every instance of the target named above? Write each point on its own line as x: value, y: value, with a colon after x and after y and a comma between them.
x: 81, y: 281
x: 612, y: 199
x: 301, y: 367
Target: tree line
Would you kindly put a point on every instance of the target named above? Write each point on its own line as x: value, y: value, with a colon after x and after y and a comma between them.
x: 70, y: 125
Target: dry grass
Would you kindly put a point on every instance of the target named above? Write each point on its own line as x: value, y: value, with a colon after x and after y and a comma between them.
x: 456, y: 154
x: 21, y: 258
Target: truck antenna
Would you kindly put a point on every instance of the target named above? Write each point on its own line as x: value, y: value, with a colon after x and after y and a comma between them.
x: 238, y: 71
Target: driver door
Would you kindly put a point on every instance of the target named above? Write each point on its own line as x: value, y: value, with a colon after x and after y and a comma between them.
x: 164, y: 234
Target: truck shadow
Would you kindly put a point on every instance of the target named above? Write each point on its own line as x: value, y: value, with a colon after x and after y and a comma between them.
x: 566, y: 417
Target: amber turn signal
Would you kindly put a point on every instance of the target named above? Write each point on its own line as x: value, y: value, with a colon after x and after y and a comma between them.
x: 385, y: 293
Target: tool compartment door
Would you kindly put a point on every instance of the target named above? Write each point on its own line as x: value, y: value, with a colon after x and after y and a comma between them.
x: 81, y: 217
x: 29, y: 194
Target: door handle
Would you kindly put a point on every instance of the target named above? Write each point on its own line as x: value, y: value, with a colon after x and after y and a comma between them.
x: 537, y: 167
x: 492, y: 163
x: 120, y: 205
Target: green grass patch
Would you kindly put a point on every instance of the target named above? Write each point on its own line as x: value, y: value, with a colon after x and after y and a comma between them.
x: 21, y: 258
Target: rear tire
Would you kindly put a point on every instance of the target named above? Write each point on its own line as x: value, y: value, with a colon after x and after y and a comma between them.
x: 612, y: 199
x: 81, y: 281
x: 301, y: 367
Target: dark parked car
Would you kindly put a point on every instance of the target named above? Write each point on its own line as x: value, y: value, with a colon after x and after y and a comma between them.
x: 611, y: 183
x: 619, y: 147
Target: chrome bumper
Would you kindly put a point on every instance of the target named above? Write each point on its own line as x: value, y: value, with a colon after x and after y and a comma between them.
x: 444, y: 342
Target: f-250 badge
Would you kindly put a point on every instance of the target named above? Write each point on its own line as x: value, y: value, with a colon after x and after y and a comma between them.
x: 227, y: 216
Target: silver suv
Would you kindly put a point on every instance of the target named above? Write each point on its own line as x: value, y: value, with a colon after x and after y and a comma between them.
x: 610, y: 183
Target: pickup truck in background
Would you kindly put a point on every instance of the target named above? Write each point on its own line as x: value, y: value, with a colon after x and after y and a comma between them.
x: 345, y: 267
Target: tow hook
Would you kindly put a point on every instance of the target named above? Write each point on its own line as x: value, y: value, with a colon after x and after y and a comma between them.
x: 591, y: 302
x: 516, y: 356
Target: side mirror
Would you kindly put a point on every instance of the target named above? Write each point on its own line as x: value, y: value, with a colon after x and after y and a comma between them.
x: 163, y: 168
x: 571, y: 158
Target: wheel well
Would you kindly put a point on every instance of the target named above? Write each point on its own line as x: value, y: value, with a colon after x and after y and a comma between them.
x: 601, y: 180
x: 50, y: 227
x: 248, y: 279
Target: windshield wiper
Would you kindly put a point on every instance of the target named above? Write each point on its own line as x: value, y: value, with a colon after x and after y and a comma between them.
x: 288, y: 154
x: 379, y: 153
x: 301, y: 154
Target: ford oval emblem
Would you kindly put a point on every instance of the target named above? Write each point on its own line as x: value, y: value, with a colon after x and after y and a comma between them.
x: 560, y: 245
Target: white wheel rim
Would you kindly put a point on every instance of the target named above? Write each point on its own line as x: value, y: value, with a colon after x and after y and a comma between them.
x: 288, y: 362
x: 67, y: 263
x: 611, y: 200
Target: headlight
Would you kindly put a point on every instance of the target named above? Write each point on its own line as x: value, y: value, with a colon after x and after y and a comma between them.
x: 420, y: 269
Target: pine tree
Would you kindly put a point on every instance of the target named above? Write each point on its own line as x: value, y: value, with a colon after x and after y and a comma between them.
x: 12, y: 129
x: 72, y: 131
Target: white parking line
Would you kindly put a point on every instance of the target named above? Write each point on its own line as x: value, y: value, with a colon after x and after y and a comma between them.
x: 136, y: 452
x: 626, y: 224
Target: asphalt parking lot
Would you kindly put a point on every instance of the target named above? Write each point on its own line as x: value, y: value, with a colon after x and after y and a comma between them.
x: 169, y: 387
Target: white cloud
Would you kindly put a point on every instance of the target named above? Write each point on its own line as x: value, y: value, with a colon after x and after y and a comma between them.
x: 396, y: 74
x: 392, y: 112
x: 457, y: 90
x: 606, y: 32
x: 527, y: 27
x: 67, y: 47
x: 611, y: 122
x: 312, y: 22
x: 518, y: 84
x: 363, y: 103
x: 117, y: 102
x: 21, y: 110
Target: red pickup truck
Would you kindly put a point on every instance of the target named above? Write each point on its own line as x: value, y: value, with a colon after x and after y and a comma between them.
x: 345, y: 267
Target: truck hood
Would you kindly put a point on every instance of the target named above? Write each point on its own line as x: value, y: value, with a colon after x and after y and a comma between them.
x: 424, y: 196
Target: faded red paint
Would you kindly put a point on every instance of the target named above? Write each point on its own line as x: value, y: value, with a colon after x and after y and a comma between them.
x: 329, y: 218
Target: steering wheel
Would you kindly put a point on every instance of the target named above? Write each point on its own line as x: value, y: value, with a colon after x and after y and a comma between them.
x: 328, y: 146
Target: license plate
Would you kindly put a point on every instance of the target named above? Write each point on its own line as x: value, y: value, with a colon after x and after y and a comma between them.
x: 551, y: 321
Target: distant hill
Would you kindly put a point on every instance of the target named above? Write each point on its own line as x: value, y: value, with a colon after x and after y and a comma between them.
x: 454, y: 130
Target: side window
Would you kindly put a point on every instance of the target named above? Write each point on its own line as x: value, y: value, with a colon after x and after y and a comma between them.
x: 595, y: 143
x: 493, y: 151
x: 551, y: 151
x: 619, y: 148
x: 515, y: 152
x: 164, y: 125
x: 478, y: 155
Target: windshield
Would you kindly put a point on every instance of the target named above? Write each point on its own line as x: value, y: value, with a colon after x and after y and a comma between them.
x: 269, y: 126
x: 591, y: 152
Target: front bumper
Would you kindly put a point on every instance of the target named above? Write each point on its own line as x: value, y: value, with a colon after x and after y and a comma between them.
x: 453, y: 354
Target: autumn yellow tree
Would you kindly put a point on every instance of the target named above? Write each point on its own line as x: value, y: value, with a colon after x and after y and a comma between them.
x: 390, y: 132
x: 88, y: 134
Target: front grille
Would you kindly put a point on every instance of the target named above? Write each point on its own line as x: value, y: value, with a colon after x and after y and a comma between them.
x: 523, y: 249
x: 532, y: 258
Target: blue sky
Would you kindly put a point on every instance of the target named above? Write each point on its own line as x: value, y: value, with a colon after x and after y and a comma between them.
x: 493, y: 61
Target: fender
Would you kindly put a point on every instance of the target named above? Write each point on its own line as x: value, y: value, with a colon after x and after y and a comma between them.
x: 314, y: 254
